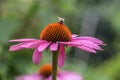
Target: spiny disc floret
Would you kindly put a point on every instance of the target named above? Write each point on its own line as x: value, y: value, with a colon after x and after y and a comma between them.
x: 56, y: 32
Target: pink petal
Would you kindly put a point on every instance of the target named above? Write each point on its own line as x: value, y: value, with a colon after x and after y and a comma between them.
x: 22, y: 40
x: 33, y: 44
x: 86, y: 49
x: 29, y: 45
x: 86, y: 45
x: 36, y: 56
x: 16, y: 47
x: 65, y: 75
x: 61, y: 56
x: 74, y: 35
x: 37, y: 43
x: 50, y: 78
x: 54, y: 47
x: 43, y: 46
x: 90, y: 44
x: 24, y: 45
x: 71, y: 43
x: 95, y: 40
x: 29, y: 77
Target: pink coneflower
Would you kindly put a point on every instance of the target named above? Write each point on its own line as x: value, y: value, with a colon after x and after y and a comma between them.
x: 45, y: 71
x: 55, y: 37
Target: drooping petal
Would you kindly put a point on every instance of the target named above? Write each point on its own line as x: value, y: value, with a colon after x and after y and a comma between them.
x: 33, y: 44
x: 29, y: 44
x: 61, y: 56
x: 22, y: 40
x: 29, y: 77
x: 95, y: 40
x: 23, y: 45
x: 43, y: 46
x: 65, y: 75
x: 16, y: 47
x: 86, y: 49
x: 54, y: 47
x: 71, y: 43
x: 90, y: 44
x: 36, y: 56
x: 86, y: 45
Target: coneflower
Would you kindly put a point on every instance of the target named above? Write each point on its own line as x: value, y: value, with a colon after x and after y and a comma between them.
x: 56, y: 36
x: 45, y: 71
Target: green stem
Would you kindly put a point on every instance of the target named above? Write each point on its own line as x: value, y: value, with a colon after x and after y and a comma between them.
x: 54, y: 64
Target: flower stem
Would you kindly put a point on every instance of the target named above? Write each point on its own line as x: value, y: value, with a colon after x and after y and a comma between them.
x: 54, y: 64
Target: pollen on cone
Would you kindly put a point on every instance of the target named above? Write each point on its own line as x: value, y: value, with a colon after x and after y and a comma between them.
x: 56, y: 32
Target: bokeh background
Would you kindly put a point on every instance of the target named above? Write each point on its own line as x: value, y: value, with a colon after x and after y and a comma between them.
x: 26, y: 19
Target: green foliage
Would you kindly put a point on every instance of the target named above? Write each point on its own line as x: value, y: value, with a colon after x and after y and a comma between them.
x: 26, y: 18
x: 7, y: 27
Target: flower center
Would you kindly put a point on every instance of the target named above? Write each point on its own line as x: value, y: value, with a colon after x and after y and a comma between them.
x: 46, y: 70
x: 56, y: 32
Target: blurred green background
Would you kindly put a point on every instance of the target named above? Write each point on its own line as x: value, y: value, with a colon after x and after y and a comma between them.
x: 26, y: 19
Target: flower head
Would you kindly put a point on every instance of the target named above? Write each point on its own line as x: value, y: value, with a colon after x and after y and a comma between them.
x: 44, y: 73
x: 55, y: 37
x: 56, y: 32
